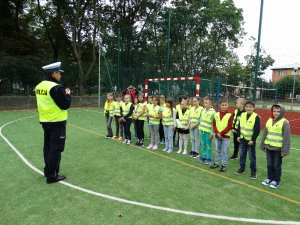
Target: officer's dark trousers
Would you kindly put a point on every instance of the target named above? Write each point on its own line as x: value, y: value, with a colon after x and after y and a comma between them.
x: 274, y: 162
x: 127, y: 125
x: 54, y: 144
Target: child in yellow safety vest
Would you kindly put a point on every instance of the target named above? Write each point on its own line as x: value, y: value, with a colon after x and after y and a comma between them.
x: 119, y: 126
x: 148, y: 107
x: 195, y: 115
x: 248, y: 131
x: 139, y: 115
x: 154, y: 114
x: 126, y: 117
x: 222, y: 125
x: 168, y: 121
x: 276, y: 143
x: 183, y: 124
x: 109, y: 108
x: 206, y: 130
x: 240, y: 108
x: 162, y: 104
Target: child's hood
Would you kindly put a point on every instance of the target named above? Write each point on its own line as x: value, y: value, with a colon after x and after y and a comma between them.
x: 282, y: 111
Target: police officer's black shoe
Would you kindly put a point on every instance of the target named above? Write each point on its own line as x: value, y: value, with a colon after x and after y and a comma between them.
x: 51, y: 180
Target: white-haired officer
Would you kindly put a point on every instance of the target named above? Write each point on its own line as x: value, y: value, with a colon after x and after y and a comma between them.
x: 52, y: 102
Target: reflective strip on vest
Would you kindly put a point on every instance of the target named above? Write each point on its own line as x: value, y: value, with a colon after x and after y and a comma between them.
x: 236, y: 119
x: 167, y: 118
x: 126, y: 109
x: 222, y: 124
x: 274, y: 136
x: 154, y: 112
x: 184, y: 118
x: 247, y: 126
x: 110, y: 107
x: 47, y: 108
x: 206, y: 120
x: 117, y: 108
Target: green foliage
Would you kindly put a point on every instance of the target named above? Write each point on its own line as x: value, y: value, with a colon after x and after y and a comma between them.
x: 285, y: 87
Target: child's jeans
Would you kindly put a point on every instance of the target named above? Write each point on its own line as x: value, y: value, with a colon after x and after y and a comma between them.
x: 222, y: 145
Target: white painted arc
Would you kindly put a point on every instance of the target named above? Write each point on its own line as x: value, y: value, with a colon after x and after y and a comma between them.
x: 205, y: 215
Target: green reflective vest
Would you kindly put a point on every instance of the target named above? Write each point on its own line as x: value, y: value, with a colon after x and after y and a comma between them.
x: 236, y: 118
x: 167, y: 117
x: 138, y: 110
x: 109, y: 107
x: 222, y: 124
x: 206, y: 120
x: 126, y: 109
x: 117, y: 108
x: 154, y: 112
x: 47, y: 108
x: 246, y: 126
x: 184, y: 117
x: 274, y: 136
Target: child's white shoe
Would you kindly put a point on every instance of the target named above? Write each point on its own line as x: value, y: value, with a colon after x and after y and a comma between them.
x: 179, y: 151
x: 150, y: 146
x: 125, y: 141
x: 165, y: 149
x: 184, y: 152
x: 155, y: 147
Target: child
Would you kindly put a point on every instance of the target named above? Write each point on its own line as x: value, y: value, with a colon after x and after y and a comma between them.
x: 139, y: 116
x: 182, y: 124
x: 149, y: 105
x: 276, y: 143
x: 222, y: 125
x: 206, y: 131
x: 135, y: 104
x: 126, y: 117
x: 109, y: 108
x: 168, y: 121
x: 195, y: 113
x: 119, y: 125
x: 154, y: 115
x: 240, y: 108
x: 248, y: 132
x: 162, y: 104
x: 177, y: 108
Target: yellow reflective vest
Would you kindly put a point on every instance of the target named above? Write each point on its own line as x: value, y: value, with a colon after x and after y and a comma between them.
x: 222, y: 124
x: 138, y: 110
x: 167, y: 117
x: 47, y: 108
x: 126, y: 109
x: 109, y: 107
x: 154, y: 111
x: 246, y: 126
x: 184, y: 117
x: 117, y: 108
x: 195, y: 114
x: 206, y: 120
x: 274, y: 136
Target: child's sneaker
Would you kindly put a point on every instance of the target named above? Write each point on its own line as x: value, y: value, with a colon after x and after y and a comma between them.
x: 214, y: 166
x: 155, y: 147
x: 128, y: 142
x: 125, y: 141
x: 170, y: 151
x: 208, y: 161
x: 184, y: 152
x: 274, y: 185
x: 115, y: 137
x: 233, y: 157
x: 253, y: 175
x: 108, y: 137
x: 240, y: 171
x: 120, y: 138
x: 266, y: 182
x: 165, y: 149
x: 195, y: 156
x: 201, y: 159
x: 179, y: 151
x: 222, y: 169
x: 150, y: 146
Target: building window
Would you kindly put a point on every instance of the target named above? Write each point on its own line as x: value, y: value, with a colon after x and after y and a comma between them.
x: 280, y: 72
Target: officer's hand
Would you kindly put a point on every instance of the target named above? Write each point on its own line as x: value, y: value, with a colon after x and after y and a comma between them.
x: 283, y: 154
x: 250, y: 143
x: 233, y: 131
x: 238, y: 139
x: 68, y: 91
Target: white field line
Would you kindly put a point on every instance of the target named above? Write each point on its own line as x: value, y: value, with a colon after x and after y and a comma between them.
x: 198, y: 214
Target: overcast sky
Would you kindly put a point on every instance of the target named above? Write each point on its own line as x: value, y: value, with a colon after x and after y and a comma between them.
x: 280, y: 29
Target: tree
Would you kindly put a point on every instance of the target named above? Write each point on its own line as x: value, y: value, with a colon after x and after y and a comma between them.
x: 285, y: 87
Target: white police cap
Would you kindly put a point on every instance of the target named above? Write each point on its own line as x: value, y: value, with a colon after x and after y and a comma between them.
x: 53, y: 67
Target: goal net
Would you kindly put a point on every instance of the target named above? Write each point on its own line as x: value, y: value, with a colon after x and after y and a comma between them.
x: 172, y: 87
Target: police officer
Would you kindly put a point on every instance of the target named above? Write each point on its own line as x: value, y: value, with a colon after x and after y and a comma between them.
x: 52, y: 102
